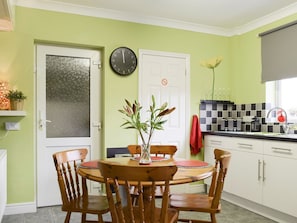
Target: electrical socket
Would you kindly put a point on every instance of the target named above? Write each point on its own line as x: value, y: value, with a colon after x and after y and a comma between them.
x: 12, y: 126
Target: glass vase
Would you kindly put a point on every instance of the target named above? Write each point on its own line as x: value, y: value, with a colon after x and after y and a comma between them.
x: 145, y: 155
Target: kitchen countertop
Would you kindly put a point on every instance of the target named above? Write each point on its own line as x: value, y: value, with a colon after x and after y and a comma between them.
x: 256, y: 135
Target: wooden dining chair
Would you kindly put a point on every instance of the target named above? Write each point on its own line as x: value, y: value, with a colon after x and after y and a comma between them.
x: 73, y: 188
x: 145, y: 178
x: 207, y: 203
x: 157, y: 151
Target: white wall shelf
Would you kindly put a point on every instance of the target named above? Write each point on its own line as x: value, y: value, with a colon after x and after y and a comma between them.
x: 13, y: 113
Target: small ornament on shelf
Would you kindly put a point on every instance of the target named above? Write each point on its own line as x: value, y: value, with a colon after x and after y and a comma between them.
x: 16, y: 99
x: 4, y: 101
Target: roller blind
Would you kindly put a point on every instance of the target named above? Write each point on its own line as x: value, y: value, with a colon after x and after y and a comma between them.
x: 279, y: 52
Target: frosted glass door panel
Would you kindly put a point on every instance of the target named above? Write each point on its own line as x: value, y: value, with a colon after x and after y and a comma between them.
x: 67, y: 96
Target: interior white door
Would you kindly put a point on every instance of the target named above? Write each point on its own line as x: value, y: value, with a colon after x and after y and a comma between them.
x: 166, y: 76
x: 68, y: 100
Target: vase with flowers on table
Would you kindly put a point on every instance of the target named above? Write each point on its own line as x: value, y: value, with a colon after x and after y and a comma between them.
x: 145, y: 128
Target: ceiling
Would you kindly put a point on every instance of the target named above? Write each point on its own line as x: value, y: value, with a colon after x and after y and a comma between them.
x: 222, y: 17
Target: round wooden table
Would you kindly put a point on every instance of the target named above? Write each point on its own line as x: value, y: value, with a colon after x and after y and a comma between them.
x: 188, y: 170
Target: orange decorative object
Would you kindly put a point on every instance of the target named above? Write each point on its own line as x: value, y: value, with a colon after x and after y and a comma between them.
x: 4, y: 102
x: 280, y: 117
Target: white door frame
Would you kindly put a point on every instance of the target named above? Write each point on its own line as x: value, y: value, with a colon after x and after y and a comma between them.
x: 92, y: 142
x: 186, y: 57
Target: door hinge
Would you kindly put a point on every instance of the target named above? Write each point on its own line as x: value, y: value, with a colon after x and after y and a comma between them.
x: 97, y: 125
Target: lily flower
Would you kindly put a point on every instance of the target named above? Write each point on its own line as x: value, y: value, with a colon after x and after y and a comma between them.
x: 212, y: 64
x: 155, y: 122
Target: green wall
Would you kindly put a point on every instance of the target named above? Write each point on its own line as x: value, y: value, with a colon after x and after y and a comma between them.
x: 245, y: 54
x: 239, y: 71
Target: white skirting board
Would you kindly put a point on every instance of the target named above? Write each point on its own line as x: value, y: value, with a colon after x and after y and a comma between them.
x: 20, y: 208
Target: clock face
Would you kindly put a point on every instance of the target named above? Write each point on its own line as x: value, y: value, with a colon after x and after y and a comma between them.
x: 123, y: 61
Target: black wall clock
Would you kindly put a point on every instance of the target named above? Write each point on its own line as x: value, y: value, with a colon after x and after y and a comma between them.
x: 123, y: 61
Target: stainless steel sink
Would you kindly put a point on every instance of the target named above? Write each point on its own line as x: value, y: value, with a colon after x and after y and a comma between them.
x: 290, y: 136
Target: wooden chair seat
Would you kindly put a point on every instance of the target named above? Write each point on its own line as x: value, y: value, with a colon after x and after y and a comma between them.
x: 73, y: 188
x: 194, y: 202
x: 208, y: 203
x: 94, y: 204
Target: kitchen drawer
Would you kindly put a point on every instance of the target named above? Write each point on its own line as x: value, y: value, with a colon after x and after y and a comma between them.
x: 221, y: 142
x: 248, y: 145
x: 280, y: 149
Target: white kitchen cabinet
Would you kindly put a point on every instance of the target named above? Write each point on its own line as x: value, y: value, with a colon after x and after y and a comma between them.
x: 260, y: 171
x: 3, y: 181
x: 244, y: 177
x: 280, y: 182
x: 210, y: 143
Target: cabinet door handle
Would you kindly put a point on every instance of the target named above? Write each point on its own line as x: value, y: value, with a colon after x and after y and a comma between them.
x: 245, y: 146
x: 263, y: 171
x: 259, y: 170
x: 281, y: 150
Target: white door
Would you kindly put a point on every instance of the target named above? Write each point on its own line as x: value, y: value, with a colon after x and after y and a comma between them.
x: 68, y: 99
x: 166, y: 76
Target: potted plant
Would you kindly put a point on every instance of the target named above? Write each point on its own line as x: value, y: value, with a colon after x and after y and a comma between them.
x: 16, y: 99
x: 145, y: 128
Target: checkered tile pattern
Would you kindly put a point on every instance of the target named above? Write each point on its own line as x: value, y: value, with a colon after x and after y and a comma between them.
x: 211, y: 114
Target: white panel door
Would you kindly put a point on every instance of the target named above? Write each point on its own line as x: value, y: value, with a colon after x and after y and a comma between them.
x: 166, y: 76
x: 68, y: 100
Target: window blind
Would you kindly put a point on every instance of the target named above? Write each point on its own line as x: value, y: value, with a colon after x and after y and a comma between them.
x: 279, y: 52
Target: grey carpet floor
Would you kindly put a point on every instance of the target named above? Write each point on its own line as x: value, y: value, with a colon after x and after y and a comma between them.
x: 230, y: 214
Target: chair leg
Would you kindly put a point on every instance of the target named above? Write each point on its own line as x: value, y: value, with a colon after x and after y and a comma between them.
x: 67, y: 218
x: 100, y: 218
x: 213, y: 218
x: 83, y: 217
x: 184, y: 220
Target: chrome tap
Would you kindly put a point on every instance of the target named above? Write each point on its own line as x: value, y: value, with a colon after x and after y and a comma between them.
x: 285, y: 125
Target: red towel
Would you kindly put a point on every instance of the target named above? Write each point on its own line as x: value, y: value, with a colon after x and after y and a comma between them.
x: 196, y: 136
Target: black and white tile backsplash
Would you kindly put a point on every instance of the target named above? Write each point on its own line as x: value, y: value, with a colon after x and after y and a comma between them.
x: 212, y: 114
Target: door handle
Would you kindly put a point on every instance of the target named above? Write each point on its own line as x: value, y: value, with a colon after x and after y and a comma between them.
x: 42, y: 121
